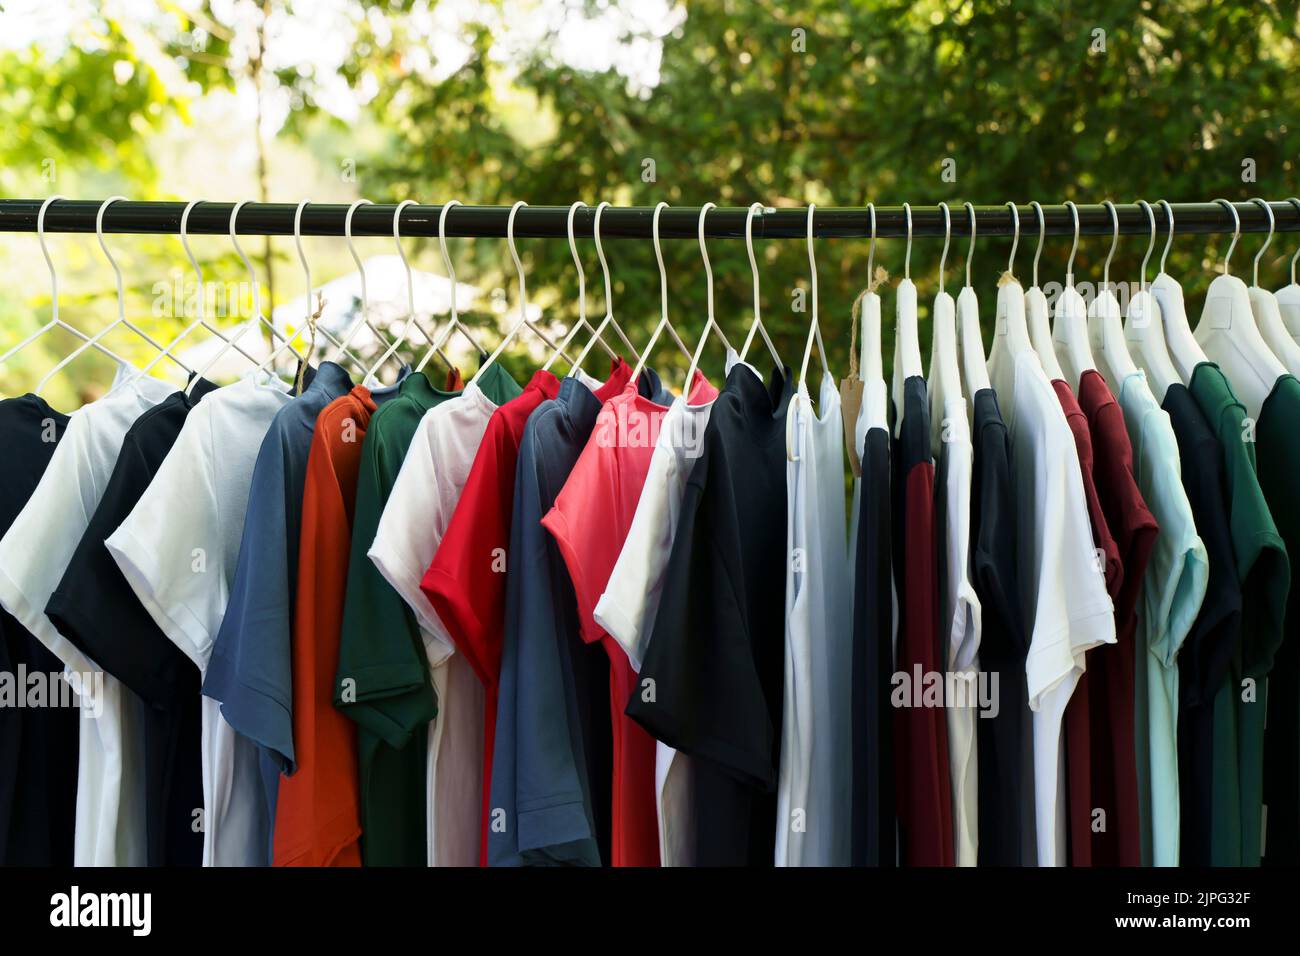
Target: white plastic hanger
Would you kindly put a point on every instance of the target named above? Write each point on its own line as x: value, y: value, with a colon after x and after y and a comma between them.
x: 454, y: 324
x: 120, y: 321
x: 397, y: 343
x: 1185, y: 350
x: 582, y: 322
x: 1070, y: 320
x: 608, y: 320
x: 55, y: 321
x: 872, y: 364
x: 1144, y: 327
x: 907, y: 347
x: 309, y: 319
x: 970, y: 341
x: 523, y: 302
x: 814, y: 334
x: 260, y: 319
x: 1268, y: 316
x: 1105, y: 328
x: 663, y: 305
x: 1036, y: 311
x: 757, y: 325
x: 1011, y: 333
x: 1288, y: 297
x: 945, y: 379
x: 710, y: 323
x: 199, y: 322
x: 363, y: 318
x: 1229, y: 336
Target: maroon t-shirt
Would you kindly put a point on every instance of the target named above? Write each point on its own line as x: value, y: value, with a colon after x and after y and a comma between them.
x: 1078, y: 716
x: 922, y: 786
x: 1114, y: 760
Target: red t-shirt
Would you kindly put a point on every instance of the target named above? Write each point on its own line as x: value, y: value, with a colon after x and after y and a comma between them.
x: 590, y: 521
x: 466, y: 581
x: 1078, y: 713
x: 318, y: 810
x: 1114, y: 757
x: 923, y: 788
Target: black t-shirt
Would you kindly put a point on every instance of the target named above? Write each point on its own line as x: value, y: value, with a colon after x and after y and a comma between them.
x: 1207, y: 651
x: 95, y: 608
x: 873, y: 824
x: 1006, y: 795
x: 38, y: 745
x: 717, y: 652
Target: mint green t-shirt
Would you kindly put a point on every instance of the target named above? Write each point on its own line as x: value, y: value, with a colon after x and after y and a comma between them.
x: 1265, y: 576
x: 1172, y: 591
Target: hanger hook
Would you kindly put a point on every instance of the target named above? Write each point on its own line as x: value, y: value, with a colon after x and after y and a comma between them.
x: 1015, y: 236
x: 600, y: 254
x: 54, y: 278
x: 1114, y: 242
x: 189, y: 253
x: 1169, y: 241
x: 117, y: 272
x: 1295, y: 202
x: 947, y: 238
x: 871, y: 248
x: 659, y: 258
x: 1236, y: 231
x: 749, y: 248
x: 514, y: 254
x: 1269, y: 210
x: 1069, y: 263
x: 446, y: 256
x: 970, y: 252
x: 577, y: 261
x: 347, y: 235
x: 1042, y: 237
x: 704, y: 252
x: 1151, y: 243
x: 239, y: 250
x: 302, y: 257
x: 907, y: 260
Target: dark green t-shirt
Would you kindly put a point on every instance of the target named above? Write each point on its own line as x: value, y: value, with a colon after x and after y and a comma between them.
x: 1278, y: 458
x: 1265, y: 578
x: 383, y: 681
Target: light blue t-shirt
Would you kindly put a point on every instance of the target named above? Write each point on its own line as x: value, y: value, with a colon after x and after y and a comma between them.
x: 1172, y: 591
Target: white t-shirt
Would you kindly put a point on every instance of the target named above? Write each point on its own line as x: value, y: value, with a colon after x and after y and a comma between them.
x: 110, y: 814
x: 416, y: 516
x: 178, y: 549
x: 813, y: 789
x: 1063, y: 587
x: 961, y: 617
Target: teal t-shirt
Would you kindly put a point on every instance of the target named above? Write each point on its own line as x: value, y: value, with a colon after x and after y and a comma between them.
x: 1278, y: 457
x: 1265, y: 577
x: 383, y: 681
x: 1172, y: 591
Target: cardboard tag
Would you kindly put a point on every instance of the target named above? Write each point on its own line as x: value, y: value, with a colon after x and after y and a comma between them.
x: 850, y: 402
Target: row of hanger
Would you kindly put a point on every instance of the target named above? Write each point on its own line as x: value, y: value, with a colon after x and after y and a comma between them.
x: 284, y: 347
x: 1258, y: 349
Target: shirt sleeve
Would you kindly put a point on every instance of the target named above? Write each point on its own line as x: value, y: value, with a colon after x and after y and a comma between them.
x: 627, y: 608
x: 708, y: 700
x: 465, y: 581
x: 249, y: 672
x: 406, y: 538
x: 169, y: 548
x: 383, y: 677
x: 56, y: 515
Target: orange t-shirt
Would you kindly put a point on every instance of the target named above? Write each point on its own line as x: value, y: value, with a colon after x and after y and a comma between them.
x: 318, y: 816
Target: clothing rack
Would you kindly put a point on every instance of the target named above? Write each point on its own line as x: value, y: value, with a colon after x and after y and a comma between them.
x: 635, y: 222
